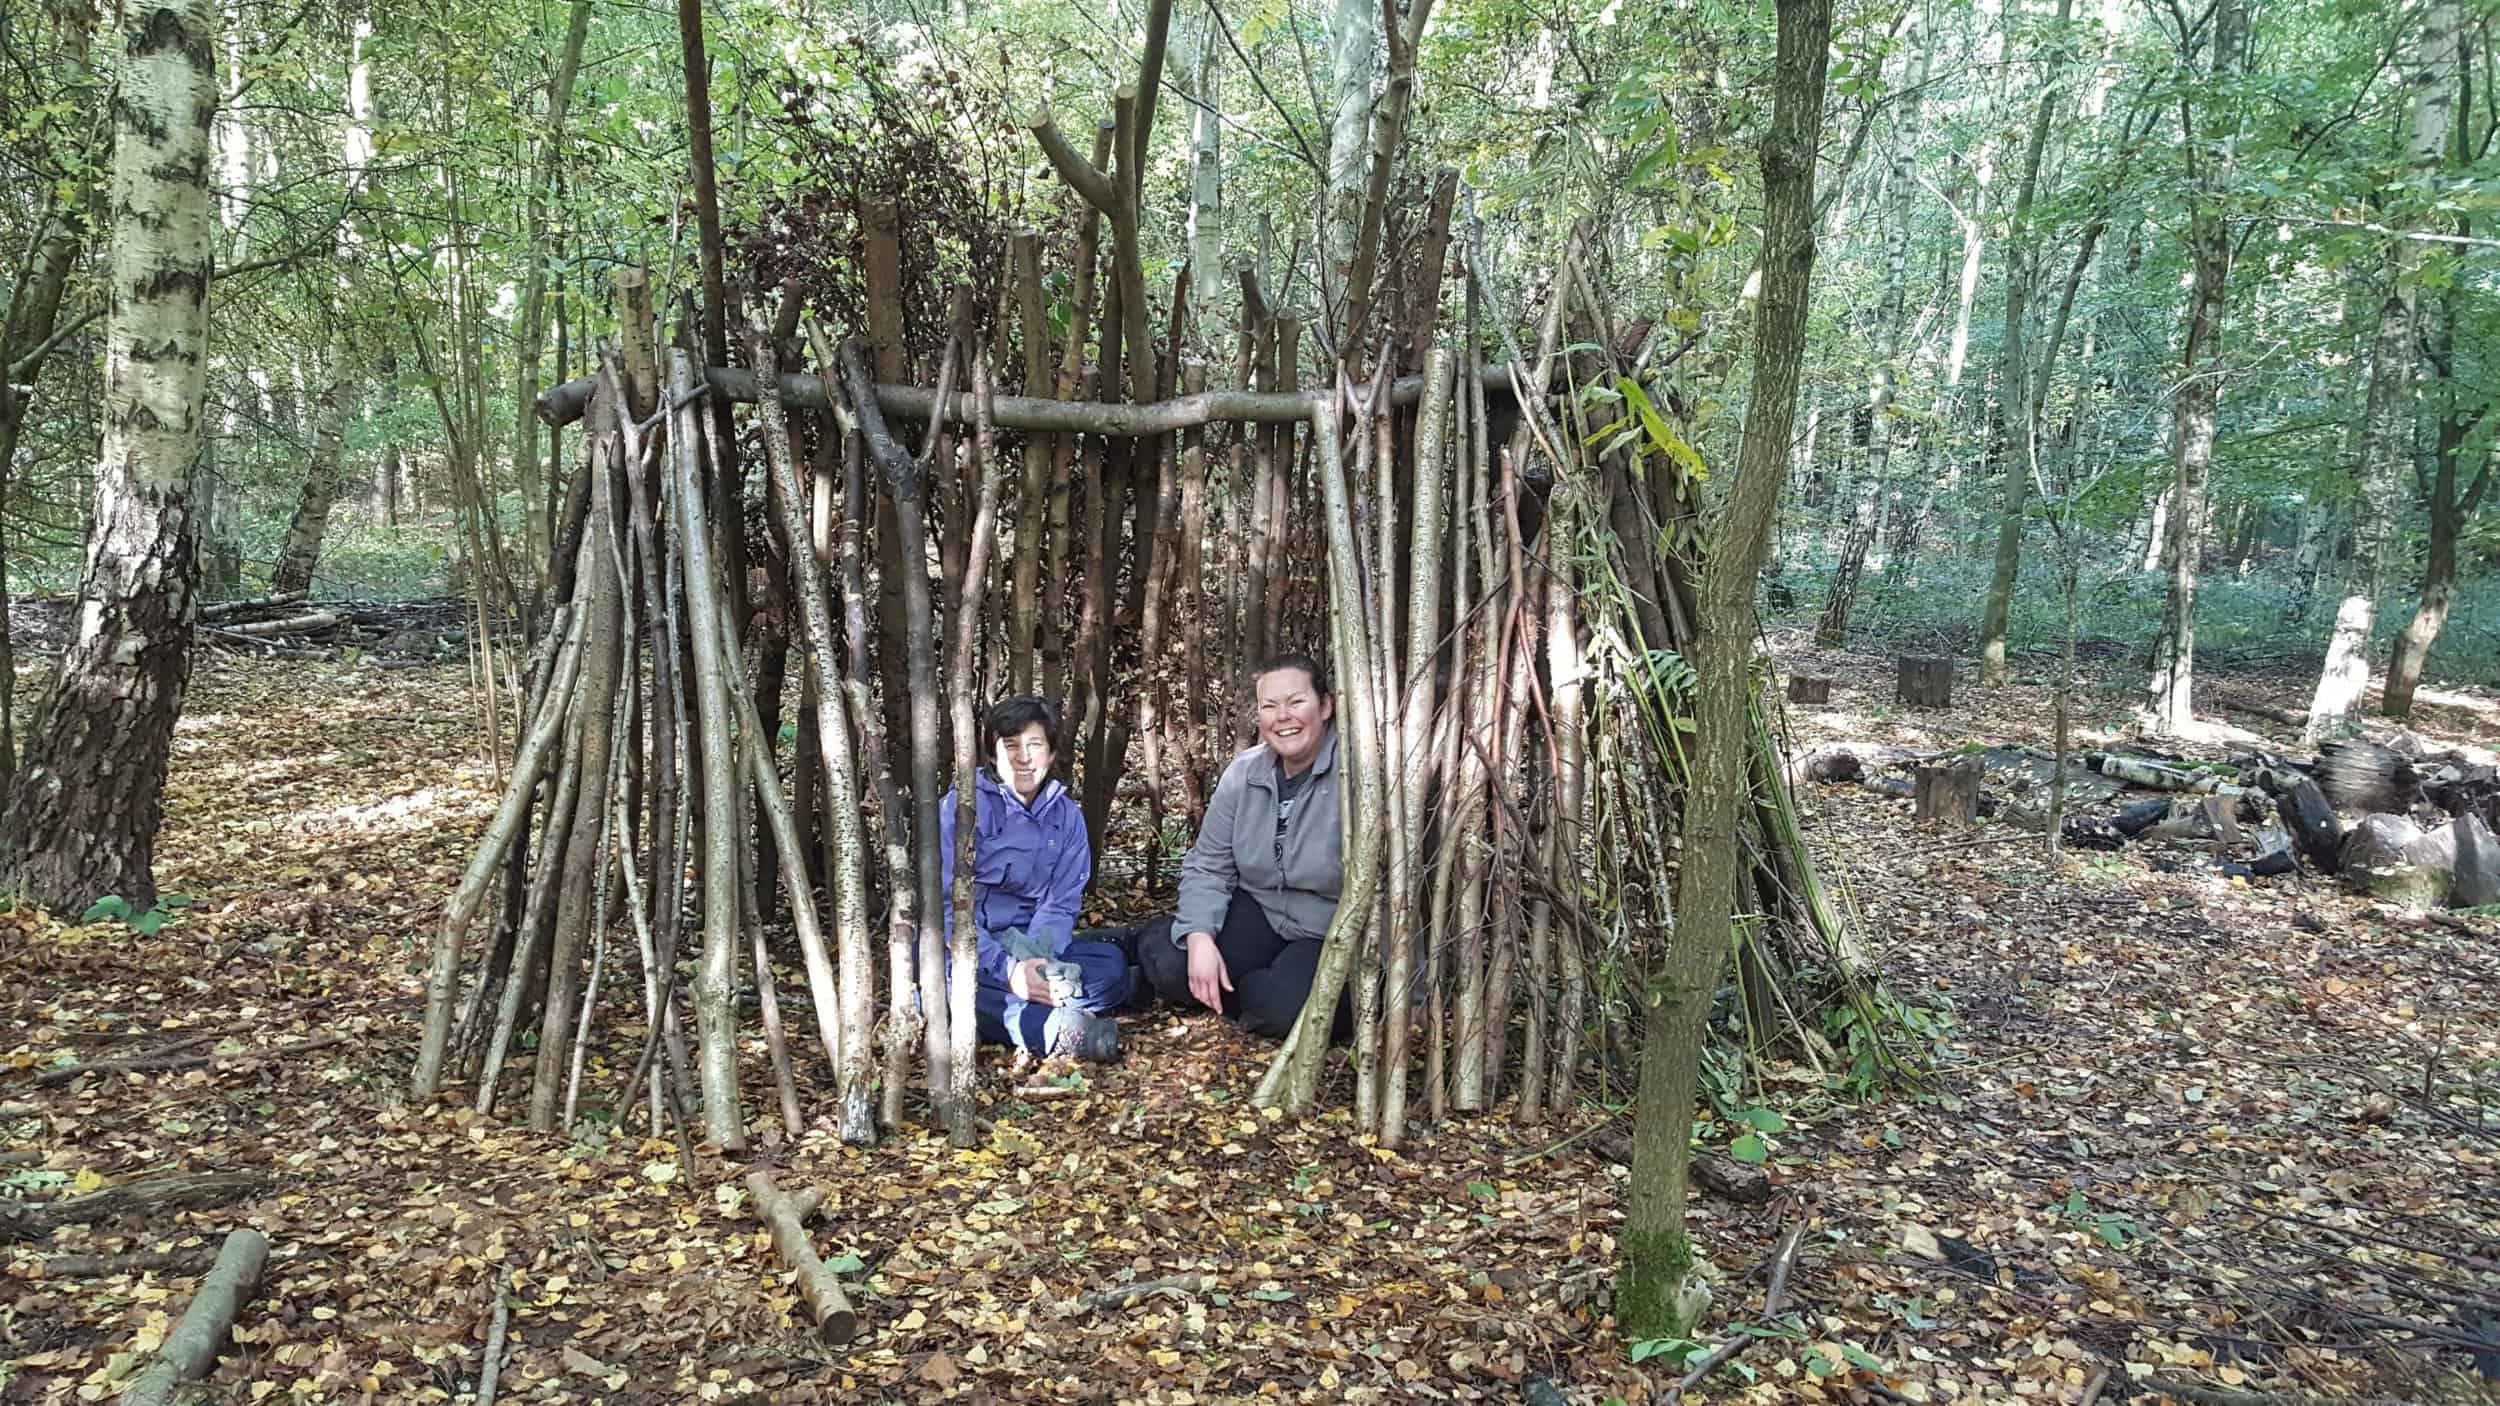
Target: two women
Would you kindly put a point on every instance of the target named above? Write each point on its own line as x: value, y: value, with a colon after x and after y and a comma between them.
x: 1257, y: 891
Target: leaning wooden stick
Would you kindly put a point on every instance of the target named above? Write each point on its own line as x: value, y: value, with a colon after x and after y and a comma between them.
x: 786, y: 1215
x: 190, y: 1350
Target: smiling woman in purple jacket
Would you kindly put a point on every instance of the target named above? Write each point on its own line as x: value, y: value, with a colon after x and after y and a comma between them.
x: 1040, y: 989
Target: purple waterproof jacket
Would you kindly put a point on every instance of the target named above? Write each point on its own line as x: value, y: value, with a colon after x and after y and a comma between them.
x: 1030, y: 866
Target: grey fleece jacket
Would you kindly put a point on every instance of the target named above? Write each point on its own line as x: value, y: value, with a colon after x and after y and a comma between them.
x: 1237, y: 850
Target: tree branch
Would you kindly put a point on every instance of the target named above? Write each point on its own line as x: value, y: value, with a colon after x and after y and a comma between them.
x: 1216, y: 13
x: 1080, y: 174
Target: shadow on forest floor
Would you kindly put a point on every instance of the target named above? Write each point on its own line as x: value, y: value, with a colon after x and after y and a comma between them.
x: 2196, y: 1132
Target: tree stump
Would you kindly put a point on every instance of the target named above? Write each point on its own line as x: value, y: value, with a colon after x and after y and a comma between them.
x: 1924, y: 681
x: 1949, y: 793
x: 1809, y: 688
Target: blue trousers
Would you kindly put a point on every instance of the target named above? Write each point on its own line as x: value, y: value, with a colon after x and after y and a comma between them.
x: 1002, y: 1018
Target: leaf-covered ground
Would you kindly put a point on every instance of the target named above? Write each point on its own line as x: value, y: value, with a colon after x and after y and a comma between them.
x: 2196, y: 1136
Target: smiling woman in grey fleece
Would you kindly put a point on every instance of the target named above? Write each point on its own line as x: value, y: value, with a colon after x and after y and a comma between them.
x: 1260, y: 885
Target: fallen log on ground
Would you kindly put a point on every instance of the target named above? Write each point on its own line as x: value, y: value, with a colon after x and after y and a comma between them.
x: 1843, y: 761
x: 191, y: 1041
x: 2161, y: 776
x: 184, y: 1261
x: 164, y: 1060
x: 190, y: 1350
x: 311, y: 623
x: 491, y: 1368
x: 228, y: 609
x: 2134, y: 820
x: 1126, y: 1295
x: 786, y: 1216
x: 182, y: 1191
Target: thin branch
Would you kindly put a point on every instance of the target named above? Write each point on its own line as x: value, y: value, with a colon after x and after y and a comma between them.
x: 1216, y: 12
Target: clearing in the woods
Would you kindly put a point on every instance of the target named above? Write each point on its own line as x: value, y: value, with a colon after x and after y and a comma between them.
x: 2195, y: 1136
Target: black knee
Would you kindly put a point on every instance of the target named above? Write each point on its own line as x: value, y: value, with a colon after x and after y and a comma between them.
x: 1269, y: 1012
x: 1165, y: 967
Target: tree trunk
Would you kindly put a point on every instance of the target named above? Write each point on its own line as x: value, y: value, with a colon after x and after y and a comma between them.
x: 1656, y: 1252
x: 2016, y: 409
x: 726, y: 509
x: 324, y: 482
x: 599, y: 595
x: 1353, y: 42
x: 82, y: 819
x: 1206, y: 177
x: 2387, y: 451
x: 1292, y: 1079
x: 26, y: 338
x: 2209, y: 143
x: 1866, y: 513
x: 531, y: 317
x: 970, y: 584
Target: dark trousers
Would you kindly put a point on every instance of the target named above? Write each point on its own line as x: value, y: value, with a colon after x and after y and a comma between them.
x: 1001, y: 1018
x: 1271, y: 975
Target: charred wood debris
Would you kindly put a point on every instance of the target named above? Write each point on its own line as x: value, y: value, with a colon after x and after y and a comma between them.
x: 2392, y: 815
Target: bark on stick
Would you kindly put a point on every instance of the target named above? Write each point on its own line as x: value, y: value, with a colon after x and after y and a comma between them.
x: 190, y: 1350
x: 786, y: 1216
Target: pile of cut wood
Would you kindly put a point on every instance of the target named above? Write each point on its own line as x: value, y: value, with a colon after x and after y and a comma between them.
x: 2423, y: 833
x: 291, y: 625
x: 2420, y: 828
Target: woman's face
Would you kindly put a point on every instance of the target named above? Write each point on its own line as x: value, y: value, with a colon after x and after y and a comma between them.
x: 1024, y: 760
x: 1293, y: 716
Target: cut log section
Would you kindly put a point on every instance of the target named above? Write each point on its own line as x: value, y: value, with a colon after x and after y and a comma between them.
x: 1948, y: 792
x: 1810, y: 688
x: 1924, y: 681
x: 2316, y: 833
x: 2274, y: 851
x: 190, y: 1350
x: 2134, y: 820
x: 2220, y: 817
x: 786, y: 1216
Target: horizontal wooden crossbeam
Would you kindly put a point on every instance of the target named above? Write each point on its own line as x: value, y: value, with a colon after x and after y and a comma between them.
x: 562, y: 405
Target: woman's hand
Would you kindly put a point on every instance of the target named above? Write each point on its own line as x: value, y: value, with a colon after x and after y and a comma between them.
x: 1026, y: 982
x: 1208, y: 980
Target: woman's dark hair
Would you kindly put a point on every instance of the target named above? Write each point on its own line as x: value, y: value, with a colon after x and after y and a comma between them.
x: 1311, y: 669
x: 1009, y: 717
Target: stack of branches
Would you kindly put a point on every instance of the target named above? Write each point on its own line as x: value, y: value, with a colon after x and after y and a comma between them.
x: 1628, y: 525
x: 643, y: 758
x: 1507, y: 610
x: 1512, y: 620
x: 292, y: 625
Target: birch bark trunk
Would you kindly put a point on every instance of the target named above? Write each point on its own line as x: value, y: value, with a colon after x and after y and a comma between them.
x: 83, y: 816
